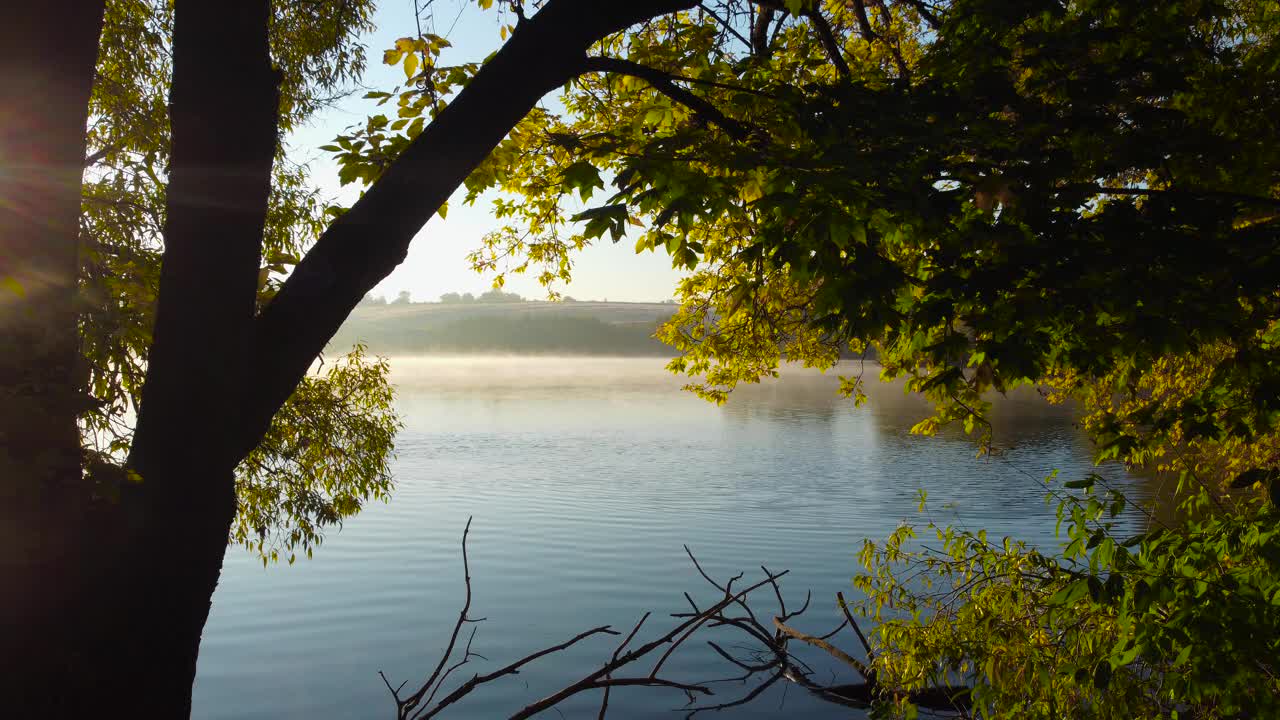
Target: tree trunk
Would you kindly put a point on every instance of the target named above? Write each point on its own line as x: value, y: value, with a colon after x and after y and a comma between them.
x: 47, y: 58
x: 116, y: 623
x: 104, y: 602
x: 105, y: 598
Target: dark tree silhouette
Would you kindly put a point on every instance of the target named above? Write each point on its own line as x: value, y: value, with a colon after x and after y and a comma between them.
x: 107, y: 600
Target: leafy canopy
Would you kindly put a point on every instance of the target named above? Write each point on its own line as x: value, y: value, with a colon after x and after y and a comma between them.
x: 1081, y: 196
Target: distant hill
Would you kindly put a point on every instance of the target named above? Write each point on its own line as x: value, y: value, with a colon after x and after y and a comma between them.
x: 574, y: 328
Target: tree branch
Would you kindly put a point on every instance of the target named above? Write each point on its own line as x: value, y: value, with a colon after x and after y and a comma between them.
x: 772, y: 657
x: 728, y: 28
x: 864, y: 22
x: 366, y: 243
x: 848, y: 617
x: 413, y: 700
x: 760, y: 40
x: 923, y: 9
x: 829, y: 43
x: 832, y: 650
x: 664, y: 83
x: 511, y: 669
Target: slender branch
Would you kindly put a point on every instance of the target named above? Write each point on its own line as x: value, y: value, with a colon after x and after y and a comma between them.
x: 844, y: 607
x: 923, y: 9
x: 395, y: 692
x: 832, y: 634
x: 773, y: 646
x: 604, y: 702
x: 592, y: 680
x: 829, y: 43
x: 755, y: 693
x: 413, y: 700
x: 466, y: 657
x: 834, y: 651
x: 892, y: 43
x: 511, y: 669
x: 724, y: 24
x: 749, y: 668
x: 663, y: 83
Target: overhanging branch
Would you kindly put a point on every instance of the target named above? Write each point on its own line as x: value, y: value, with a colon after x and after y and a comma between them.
x: 364, y: 245
x: 665, y: 84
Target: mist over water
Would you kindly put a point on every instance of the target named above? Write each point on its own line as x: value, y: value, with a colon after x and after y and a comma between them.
x: 585, y: 477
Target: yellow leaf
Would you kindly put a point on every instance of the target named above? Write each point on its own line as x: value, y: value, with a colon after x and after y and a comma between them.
x: 11, y: 284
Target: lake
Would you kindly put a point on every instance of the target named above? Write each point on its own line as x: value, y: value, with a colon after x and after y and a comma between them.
x: 585, y: 477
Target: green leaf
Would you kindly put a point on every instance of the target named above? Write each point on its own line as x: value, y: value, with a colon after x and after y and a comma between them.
x: 583, y: 177
x: 1070, y: 594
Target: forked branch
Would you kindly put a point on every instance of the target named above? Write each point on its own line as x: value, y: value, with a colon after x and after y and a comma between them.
x: 767, y: 657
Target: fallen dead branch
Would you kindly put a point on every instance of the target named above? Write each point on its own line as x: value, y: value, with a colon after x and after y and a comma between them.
x: 768, y: 656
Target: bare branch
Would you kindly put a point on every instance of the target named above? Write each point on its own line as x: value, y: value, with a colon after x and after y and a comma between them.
x: 413, y: 700
x: 511, y: 669
x: 728, y: 28
x: 772, y: 656
x: 604, y: 702
x: 832, y: 650
x: 844, y: 607
x: 755, y: 693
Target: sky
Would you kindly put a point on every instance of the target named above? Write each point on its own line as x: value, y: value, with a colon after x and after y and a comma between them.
x: 437, y: 256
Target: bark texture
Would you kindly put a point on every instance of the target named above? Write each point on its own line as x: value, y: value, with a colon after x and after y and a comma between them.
x: 47, y: 56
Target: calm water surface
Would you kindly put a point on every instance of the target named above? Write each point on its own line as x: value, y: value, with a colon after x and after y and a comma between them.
x: 585, y: 477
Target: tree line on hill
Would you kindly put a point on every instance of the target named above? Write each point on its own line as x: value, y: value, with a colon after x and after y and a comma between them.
x: 404, y: 297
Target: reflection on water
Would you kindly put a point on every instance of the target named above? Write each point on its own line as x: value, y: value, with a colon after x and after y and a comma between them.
x: 585, y: 476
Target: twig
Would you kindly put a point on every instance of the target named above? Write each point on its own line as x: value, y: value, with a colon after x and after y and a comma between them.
x: 512, y: 669
x: 844, y: 607
x: 742, y: 700
x: 413, y: 700
x: 604, y: 702
x: 724, y: 24
x: 749, y: 668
